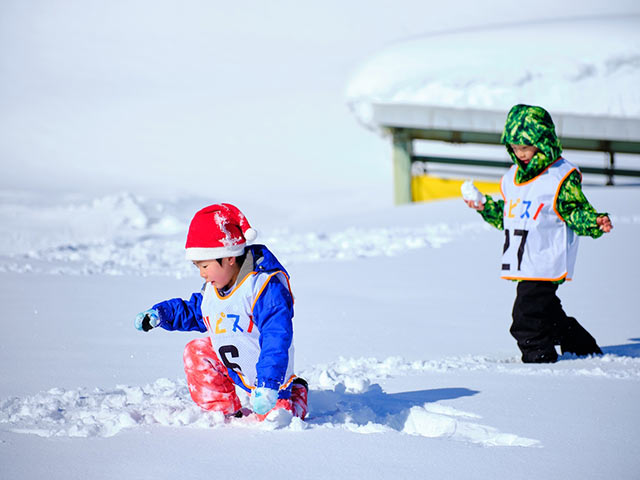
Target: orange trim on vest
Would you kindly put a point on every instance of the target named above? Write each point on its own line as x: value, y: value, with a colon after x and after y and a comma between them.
x: 532, y: 179
x: 288, y: 382
x: 265, y: 285
x: 241, y: 377
x: 234, y: 288
x: 293, y: 300
x: 555, y: 197
x: 562, y: 277
x: 250, y: 387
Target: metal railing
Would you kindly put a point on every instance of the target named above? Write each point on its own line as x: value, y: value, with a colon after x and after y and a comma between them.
x: 609, y: 172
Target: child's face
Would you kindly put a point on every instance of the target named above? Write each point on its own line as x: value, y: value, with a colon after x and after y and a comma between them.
x: 219, y: 275
x: 524, y: 152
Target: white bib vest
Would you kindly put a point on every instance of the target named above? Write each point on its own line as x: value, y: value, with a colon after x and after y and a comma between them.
x: 229, y: 320
x: 538, y: 243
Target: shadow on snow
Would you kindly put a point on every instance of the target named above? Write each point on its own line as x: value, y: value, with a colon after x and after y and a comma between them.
x: 374, y: 405
x: 628, y: 350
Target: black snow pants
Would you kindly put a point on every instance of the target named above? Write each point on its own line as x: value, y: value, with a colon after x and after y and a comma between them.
x: 539, y: 323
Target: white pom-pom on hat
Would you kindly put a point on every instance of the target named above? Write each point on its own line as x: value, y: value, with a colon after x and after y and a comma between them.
x: 250, y: 234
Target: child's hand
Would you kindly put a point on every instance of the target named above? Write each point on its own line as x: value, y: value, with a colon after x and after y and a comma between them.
x: 147, y: 320
x: 263, y: 399
x: 472, y: 196
x: 479, y: 207
x: 604, y: 223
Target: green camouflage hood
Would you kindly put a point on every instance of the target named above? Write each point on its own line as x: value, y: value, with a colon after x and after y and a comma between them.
x: 529, y: 125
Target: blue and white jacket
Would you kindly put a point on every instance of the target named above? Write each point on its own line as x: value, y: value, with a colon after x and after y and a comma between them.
x: 251, y: 327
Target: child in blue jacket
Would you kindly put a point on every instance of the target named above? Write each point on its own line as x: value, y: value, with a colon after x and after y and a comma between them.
x: 246, y: 306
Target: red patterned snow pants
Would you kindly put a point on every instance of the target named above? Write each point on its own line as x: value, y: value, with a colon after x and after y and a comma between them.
x: 211, y: 387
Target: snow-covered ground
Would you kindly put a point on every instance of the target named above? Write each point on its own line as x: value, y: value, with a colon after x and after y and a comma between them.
x: 401, y: 329
x: 120, y: 119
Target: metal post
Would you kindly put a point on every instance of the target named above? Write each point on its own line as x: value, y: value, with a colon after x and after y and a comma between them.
x: 402, y: 151
x: 611, y: 166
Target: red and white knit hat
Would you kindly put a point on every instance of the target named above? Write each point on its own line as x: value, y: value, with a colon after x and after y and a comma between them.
x: 218, y: 231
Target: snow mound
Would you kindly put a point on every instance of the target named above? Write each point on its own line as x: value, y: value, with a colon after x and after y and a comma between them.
x: 431, y: 421
x: 125, y: 234
x: 412, y: 413
x: 344, y: 395
x: 356, y: 375
x: 366, y: 243
x: 34, y: 227
x: 555, y: 64
x: 103, y: 413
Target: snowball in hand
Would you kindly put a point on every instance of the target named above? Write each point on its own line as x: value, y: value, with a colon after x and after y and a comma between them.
x: 263, y: 399
x: 470, y: 192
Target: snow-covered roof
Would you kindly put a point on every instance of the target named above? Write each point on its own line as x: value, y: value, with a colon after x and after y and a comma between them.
x: 586, y: 72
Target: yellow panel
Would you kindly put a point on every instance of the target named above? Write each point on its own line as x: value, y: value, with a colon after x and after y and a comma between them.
x: 428, y: 187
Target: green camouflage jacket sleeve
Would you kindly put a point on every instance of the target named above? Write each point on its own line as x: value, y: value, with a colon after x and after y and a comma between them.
x: 575, y: 209
x: 572, y: 205
x: 493, y: 212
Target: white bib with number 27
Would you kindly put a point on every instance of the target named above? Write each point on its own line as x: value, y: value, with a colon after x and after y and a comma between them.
x: 538, y: 243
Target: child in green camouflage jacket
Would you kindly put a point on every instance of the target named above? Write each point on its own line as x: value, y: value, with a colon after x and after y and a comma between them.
x: 542, y: 212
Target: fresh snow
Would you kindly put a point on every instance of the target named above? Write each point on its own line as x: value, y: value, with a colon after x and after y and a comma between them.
x: 554, y: 63
x: 121, y: 120
x: 401, y: 331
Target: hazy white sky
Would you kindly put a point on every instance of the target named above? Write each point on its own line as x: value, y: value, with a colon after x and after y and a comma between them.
x: 183, y: 96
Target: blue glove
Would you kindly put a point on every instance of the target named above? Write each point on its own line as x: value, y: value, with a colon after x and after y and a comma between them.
x: 263, y: 399
x: 147, y: 320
